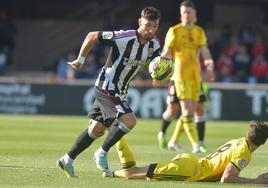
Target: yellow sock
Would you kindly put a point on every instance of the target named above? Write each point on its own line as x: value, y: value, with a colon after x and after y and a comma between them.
x: 190, y: 129
x: 125, y: 154
x: 177, y: 132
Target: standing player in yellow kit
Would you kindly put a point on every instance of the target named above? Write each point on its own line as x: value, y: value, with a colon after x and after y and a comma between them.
x: 183, y: 44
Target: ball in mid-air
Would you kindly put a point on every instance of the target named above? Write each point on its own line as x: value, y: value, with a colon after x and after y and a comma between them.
x: 161, y: 68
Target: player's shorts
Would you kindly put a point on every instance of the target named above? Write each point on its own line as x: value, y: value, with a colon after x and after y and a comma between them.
x: 187, y: 89
x: 172, y: 94
x: 182, y: 167
x: 108, y: 106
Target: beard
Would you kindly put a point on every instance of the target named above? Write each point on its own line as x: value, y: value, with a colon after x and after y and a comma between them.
x: 147, y: 36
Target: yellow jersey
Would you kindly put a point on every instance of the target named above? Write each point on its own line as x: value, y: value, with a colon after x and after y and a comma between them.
x: 188, y: 167
x: 184, y: 44
x: 212, y: 166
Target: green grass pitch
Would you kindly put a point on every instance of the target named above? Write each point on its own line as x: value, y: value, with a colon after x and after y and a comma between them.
x: 30, y: 145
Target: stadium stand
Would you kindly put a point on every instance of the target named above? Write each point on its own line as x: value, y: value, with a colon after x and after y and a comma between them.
x: 42, y: 40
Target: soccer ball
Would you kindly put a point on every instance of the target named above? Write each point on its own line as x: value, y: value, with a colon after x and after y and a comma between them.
x: 161, y: 68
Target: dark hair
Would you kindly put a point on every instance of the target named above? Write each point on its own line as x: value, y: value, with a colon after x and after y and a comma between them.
x: 187, y: 3
x: 150, y: 13
x: 258, y: 132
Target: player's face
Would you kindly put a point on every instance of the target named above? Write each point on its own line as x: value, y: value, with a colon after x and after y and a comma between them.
x: 147, y: 28
x: 188, y: 15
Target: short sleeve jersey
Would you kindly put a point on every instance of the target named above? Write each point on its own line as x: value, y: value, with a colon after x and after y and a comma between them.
x: 126, y: 57
x: 213, y: 165
x: 184, y: 44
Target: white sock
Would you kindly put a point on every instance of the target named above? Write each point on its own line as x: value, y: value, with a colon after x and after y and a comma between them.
x: 196, y: 147
x: 101, y: 150
x: 67, y: 159
x: 171, y: 143
x: 161, y: 134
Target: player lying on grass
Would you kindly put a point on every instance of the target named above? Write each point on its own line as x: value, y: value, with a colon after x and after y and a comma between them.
x: 222, y: 165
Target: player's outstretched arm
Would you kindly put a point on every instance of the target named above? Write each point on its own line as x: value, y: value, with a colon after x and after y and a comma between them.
x: 231, y: 175
x: 89, y: 42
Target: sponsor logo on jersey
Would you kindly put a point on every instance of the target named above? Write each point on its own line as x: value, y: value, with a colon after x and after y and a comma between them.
x: 107, y: 35
x: 133, y: 62
x: 242, y: 163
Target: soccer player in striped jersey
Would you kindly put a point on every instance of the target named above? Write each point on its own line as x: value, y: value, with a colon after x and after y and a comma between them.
x: 223, y: 165
x: 130, y: 50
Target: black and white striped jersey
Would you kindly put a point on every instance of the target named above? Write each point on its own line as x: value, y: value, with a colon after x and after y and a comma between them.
x: 125, y: 59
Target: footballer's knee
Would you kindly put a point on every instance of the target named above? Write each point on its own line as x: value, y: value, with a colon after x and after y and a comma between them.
x: 172, y: 110
x: 167, y: 115
x: 129, y: 120
x: 187, y: 119
x: 131, y: 124
x: 199, y: 112
x: 97, y: 129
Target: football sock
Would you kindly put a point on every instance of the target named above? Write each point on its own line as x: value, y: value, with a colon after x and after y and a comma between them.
x: 201, y: 125
x: 67, y: 158
x: 83, y: 142
x: 125, y: 154
x: 190, y: 129
x: 177, y: 132
x: 164, y: 126
x: 116, y: 132
x: 166, y: 120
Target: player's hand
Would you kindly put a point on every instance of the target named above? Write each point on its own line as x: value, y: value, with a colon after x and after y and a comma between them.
x: 263, y: 178
x: 157, y: 83
x: 75, y: 64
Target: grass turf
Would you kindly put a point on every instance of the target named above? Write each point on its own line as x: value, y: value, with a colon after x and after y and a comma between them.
x: 30, y: 145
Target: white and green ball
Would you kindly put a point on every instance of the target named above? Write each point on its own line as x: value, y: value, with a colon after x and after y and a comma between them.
x: 161, y: 68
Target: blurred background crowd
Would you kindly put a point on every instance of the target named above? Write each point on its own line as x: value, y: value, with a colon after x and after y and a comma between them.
x: 37, y: 37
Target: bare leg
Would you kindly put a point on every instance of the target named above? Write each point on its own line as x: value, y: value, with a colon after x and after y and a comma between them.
x: 132, y: 173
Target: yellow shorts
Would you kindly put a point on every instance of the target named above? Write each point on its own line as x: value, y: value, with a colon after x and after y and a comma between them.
x: 186, y: 89
x: 182, y: 167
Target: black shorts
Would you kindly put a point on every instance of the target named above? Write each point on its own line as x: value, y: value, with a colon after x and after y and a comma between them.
x: 108, y: 106
x: 172, y: 95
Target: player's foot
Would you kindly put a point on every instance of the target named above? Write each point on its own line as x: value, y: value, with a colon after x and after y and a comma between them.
x: 175, y: 147
x: 203, y: 148
x: 101, y: 160
x: 108, y: 173
x: 67, y: 168
x: 162, y: 141
x: 196, y: 149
